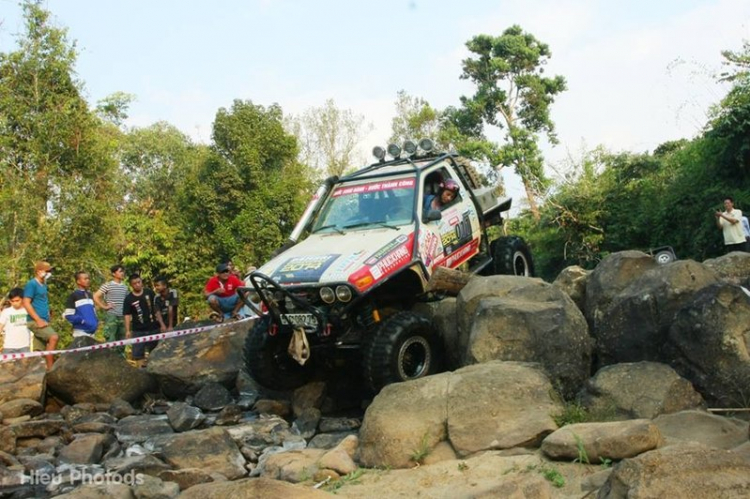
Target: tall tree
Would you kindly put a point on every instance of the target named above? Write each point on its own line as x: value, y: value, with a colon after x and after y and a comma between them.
x: 56, y: 160
x: 415, y: 119
x: 328, y: 137
x: 513, y: 94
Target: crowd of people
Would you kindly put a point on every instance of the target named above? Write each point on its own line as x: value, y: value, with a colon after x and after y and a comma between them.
x: 130, y: 310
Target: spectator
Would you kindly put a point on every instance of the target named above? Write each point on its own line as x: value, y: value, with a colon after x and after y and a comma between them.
x: 36, y: 303
x: 13, y: 324
x: 221, y: 293
x: 79, y: 307
x: 234, y: 270
x: 729, y: 221
x: 140, y: 319
x: 110, y: 297
x: 746, y: 230
x: 165, y: 304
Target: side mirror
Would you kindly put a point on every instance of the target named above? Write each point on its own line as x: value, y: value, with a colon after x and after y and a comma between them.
x: 432, y: 216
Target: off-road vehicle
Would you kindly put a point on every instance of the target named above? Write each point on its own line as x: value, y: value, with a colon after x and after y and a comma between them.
x: 360, y: 258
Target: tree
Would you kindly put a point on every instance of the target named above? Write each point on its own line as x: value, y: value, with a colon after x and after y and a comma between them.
x: 513, y: 94
x: 415, y: 119
x: 328, y: 137
x: 56, y: 160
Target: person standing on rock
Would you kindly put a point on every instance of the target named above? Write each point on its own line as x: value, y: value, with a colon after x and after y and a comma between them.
x: 140, y: 318
x: 110, y: 297
x: 13, y: 324
x: 729, y: 221
x: 79, y: 307
x: 36, y: 303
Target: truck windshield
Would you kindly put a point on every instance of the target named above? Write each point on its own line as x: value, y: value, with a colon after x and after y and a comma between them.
x: 368, y: 206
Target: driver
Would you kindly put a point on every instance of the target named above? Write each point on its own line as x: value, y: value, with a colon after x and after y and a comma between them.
x: 447, y: 193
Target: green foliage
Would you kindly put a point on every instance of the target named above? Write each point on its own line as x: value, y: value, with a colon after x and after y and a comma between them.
x: 513, y: 93
x: 550, y: 473
x: 583, y: 456
x: 573, y: 413
x: 350, y: 478
x: 420, y: 453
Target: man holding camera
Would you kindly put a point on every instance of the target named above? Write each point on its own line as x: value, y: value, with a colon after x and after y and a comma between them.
x: 729, y: 223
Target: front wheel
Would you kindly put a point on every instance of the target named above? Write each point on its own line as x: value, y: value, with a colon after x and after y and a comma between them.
x: 511, y: 256
x: 404, y: 347
x: 267, y: 360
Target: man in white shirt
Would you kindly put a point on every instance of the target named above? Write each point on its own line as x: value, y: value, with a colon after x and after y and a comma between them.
x: 729, y: 221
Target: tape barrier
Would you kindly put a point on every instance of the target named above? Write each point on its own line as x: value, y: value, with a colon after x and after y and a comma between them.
x: 120, y: 343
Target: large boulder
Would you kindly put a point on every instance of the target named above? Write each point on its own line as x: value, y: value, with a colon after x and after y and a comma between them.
x: 638, y: 390
x: 98, y: 376
x: 595, y: 442
x: 526, y: 320
x: 609, y: 278
x: 252, y: 488
x: 687, y: 470
x: 709, y: 344
x: 573, y: 281
x: 212, y: 450
x: 496, y: 405
x: 183, y: 365
x: 703, y: 428
x: 634, y: 327
x: 443, y: 315
x: 733, y: 268
x: 23, y: 379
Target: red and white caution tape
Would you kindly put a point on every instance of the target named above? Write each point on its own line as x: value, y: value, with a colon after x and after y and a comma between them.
x: 120, y: 343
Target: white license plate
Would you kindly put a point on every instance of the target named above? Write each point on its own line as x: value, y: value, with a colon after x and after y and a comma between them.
x: 299, y: 320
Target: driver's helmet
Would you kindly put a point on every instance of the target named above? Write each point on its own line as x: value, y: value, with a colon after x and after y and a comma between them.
x: 451, y: 185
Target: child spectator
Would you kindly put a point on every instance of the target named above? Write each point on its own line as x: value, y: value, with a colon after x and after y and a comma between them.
x: 13, y: 324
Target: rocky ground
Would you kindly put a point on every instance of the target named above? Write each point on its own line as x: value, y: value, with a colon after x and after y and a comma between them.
x: 518, y: 414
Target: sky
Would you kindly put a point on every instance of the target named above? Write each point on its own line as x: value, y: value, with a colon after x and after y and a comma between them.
x: 639, y: 72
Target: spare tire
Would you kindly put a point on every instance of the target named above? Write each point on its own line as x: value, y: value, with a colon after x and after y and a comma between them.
x: 511, y: 256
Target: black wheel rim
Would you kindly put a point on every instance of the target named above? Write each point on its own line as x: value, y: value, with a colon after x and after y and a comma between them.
x: 414, y: 358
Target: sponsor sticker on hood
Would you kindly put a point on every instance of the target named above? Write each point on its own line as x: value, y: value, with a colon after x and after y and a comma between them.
x: 303, y: 268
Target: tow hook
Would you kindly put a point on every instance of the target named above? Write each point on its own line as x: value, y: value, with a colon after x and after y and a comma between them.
x: 273, y: 329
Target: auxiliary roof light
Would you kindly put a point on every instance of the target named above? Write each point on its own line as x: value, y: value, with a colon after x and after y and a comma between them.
x: 394, y: 150
x: 410, y: 147
x: 426, y: 145
x: 378, y: 152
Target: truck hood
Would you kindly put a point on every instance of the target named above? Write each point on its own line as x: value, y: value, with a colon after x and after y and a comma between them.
x: 361, y: 257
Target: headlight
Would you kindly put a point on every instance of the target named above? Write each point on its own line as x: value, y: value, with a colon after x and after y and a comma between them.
x: 326, y: 294
x: 343, y: 293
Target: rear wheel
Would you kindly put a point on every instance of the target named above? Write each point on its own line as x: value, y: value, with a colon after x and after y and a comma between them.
x: 267, y: 360
x: 404, y: 347
x: 511, y: 256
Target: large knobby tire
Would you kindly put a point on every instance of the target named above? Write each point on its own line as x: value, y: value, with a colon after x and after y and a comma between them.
x: 267, y: 360
x: 511, y: 256
x: 404, y: 347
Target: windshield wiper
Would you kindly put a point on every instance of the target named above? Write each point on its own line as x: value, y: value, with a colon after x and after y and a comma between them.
x: 362, y: 224
x: 332, y: 226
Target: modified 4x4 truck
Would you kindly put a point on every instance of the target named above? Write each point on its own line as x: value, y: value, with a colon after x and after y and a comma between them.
x: 360, y: 258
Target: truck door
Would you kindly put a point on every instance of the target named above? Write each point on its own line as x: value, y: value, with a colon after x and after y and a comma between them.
x: 454, y: 238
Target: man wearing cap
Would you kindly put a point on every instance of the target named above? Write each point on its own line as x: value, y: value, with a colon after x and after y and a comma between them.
x: 36, y: 303
x: 221, y: 292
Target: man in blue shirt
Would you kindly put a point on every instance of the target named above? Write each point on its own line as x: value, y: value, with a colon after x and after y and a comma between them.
x: 36, y: 303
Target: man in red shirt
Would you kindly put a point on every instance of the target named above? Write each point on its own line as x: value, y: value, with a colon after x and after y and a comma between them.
x: 221, y: 292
